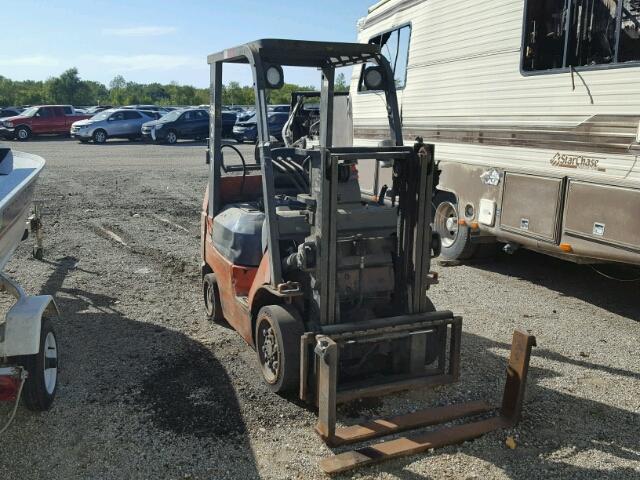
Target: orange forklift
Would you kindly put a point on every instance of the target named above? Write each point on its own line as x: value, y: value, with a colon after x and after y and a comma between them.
x: 326, y: 283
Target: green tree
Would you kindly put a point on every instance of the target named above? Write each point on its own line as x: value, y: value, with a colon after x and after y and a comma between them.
x: 341, y: 84
x: 70, y: 88
x: 283, y: 95
x: 116, y: 90
x: 67, y: 88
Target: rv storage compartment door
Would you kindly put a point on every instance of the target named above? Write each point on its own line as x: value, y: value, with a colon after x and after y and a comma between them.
x: 603, y: 213
x: 531, y: 206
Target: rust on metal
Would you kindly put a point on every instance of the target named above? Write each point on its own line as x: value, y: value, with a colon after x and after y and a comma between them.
x: 305, y: 342
x: 508, y: 416
x: 410, y: 445
x: 349, y: 395
x: 327, y: 352
x: 386, y: 426
x: 517, y: 371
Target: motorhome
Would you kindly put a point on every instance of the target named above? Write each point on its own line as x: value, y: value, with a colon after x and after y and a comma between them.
x: 534, y: 110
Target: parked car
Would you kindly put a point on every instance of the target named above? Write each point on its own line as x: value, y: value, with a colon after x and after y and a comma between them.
x: 247, y: 131
x: 238, y: 110
x: 41, y: 119
x: 115, y: 123
x: 185, y: 123
x: 10, y: 111
x: 245, y: 116
x: 280, y: 108
x: 155, y: 108
x: 155, y: 115
x: 97, y: 109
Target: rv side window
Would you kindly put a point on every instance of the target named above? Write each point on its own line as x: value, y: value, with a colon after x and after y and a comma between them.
x: 395, y: 47
x: 545, y: 34
x: 592, y: 38
x: 629, y: 46
x: 580, y: 33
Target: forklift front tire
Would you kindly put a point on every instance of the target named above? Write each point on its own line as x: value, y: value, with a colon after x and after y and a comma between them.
x: 212, y: 304
x: 277, y: 339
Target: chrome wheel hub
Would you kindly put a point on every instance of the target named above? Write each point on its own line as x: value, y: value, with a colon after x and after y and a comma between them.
x: 270, y: 354
x: 445, y: 222
x: 50, y: 363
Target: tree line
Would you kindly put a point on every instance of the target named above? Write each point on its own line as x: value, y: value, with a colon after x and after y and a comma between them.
x: 69, y: 88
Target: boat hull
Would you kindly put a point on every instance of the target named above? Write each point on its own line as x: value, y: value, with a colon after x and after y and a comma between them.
x: 16, y: 196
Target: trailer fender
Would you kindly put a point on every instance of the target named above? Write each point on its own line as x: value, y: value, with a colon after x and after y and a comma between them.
x: 20, y: 335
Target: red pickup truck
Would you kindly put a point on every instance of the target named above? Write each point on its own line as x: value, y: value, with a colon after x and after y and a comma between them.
x: 56, y: 119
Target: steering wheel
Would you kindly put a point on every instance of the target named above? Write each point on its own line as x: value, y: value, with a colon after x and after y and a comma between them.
x: 244, y: 163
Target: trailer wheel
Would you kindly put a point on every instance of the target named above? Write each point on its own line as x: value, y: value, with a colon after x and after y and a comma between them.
x: 42, y: 383
x: 456, y: 238
x: 212, y: 304
x: 277, y: 336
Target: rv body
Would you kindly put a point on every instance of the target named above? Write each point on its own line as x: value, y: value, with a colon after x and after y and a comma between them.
x: 535, y: 149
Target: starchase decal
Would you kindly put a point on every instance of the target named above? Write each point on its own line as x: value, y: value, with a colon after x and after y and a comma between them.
x: 567, y: 160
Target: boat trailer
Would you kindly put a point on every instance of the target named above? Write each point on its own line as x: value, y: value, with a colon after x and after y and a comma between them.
x: 28, y: 343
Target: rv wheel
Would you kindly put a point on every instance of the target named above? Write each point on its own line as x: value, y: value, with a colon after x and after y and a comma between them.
x: 456, y: 238
x: 42, y: 383
x: 277, y: 340
x: 212, y: 298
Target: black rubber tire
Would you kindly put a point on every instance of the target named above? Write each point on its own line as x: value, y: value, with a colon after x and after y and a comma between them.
x: 211, y: 294
x: 98, y: 137
x: 22, y: 134
x: 171, y: 140
x: 288, y: 328
x: 35, y: 394
x: 462, y: 247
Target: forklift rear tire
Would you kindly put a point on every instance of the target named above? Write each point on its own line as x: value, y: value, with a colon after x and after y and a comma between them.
x: 212, y: 304
x: 277, y: 338
x: 456, y: 238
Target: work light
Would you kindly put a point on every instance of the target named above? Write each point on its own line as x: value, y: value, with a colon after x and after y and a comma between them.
x: 274, y: 77
x: 374, y: 78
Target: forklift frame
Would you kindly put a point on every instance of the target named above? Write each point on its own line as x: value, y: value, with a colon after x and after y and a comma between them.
x: 324, y: 55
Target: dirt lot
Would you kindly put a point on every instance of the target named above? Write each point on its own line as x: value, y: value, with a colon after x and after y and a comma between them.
x: 149, y: 389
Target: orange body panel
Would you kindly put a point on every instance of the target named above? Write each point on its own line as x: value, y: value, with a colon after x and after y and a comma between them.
x: 232, y: 190
x: 228, y: 277
x: 233, y: 280
x: 261, y: 278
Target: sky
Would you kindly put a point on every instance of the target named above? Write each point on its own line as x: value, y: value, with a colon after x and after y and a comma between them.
x: 160, y: 41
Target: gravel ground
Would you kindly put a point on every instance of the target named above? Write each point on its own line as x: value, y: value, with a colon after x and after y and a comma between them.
x: 149, y: 389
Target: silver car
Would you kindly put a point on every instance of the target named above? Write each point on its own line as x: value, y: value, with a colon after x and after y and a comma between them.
x: 113, y: 123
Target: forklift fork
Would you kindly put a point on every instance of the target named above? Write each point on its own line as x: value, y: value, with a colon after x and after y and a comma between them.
x: 506, y: 416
